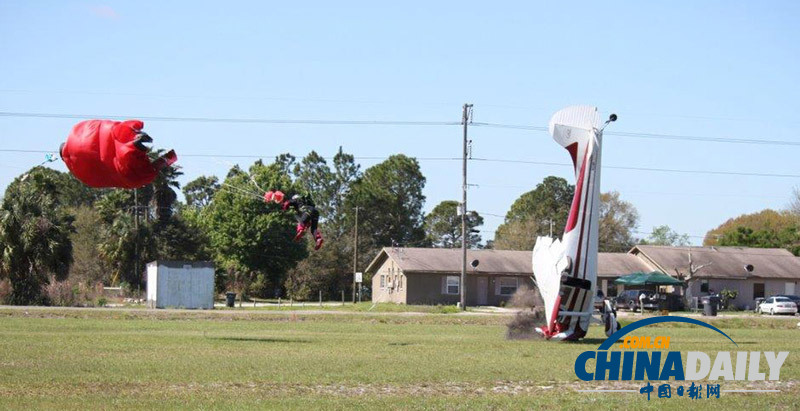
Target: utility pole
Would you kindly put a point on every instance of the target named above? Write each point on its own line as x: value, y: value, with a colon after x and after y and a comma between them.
x: 355, y: 257
x: 136, y: 227
x: 465, y: 119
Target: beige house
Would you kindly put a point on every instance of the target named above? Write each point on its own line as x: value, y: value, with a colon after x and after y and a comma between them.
x: 752, y: 272
x: 433, y: 275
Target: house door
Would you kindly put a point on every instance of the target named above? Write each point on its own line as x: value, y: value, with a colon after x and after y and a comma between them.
x: 758, y: 290
x: 789, y: 288
x: 483, y: 290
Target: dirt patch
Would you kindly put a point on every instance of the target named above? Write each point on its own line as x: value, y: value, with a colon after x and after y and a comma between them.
x: 432, y: 389
x: 523, y: 325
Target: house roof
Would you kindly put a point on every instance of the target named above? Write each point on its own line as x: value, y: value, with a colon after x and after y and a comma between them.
x: 448, y: 260
x: 619, y: 264
x: 726, y: 262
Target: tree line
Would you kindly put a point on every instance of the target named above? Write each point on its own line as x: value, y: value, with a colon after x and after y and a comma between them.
x: 53, y: 228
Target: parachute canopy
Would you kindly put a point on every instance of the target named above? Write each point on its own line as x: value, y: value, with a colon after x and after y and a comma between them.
x: 107, y: 153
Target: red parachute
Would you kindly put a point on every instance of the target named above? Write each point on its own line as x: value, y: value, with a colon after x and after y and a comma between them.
x: 107, y: 153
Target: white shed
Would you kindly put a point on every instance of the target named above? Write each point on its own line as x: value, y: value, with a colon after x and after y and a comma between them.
x: 180, y: 284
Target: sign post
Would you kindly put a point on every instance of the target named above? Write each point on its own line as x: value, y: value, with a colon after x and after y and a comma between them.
x: 359, y: 278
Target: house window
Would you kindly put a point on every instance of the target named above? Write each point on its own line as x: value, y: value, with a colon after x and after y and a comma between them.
x: 506, y: 286
x: 451, y: 285
x: 400, y: 283
x: 704, y: 286
x: 383, y: 281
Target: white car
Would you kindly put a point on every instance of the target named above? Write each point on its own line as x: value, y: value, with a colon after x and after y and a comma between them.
x: 778, y: 305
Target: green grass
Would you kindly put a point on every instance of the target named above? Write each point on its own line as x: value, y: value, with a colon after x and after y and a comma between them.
x: 350, y: 307
x: 107, y: 358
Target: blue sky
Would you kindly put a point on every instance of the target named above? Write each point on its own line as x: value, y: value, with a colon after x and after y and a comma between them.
x: 711, y: 68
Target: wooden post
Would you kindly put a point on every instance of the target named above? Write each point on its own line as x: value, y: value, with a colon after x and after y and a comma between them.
x: 320, y: 298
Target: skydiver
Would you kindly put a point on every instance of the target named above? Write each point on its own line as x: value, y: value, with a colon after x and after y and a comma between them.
x: 305, y: 212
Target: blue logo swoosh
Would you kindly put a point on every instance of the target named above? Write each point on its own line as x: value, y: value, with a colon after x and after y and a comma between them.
x: 655, y: 320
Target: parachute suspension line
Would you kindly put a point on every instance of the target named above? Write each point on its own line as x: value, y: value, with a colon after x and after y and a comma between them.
x: 253, y: 179
x: 242, y: 191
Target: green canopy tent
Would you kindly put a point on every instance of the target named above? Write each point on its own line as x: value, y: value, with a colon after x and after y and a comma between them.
x: 652, y: 278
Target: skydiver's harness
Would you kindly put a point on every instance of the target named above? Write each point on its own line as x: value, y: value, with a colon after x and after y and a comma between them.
x: 306, y: 211
x: 301, y: 205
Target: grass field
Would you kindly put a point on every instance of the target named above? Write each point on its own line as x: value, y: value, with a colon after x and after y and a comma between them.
x: 113, y: 358
x: 364, y: 307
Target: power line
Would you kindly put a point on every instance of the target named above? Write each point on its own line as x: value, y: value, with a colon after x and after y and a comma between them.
x: 13, y: 150
x: 648, y: 233
x: 226, y: 97
x: 663, y: 170
x: 369, y: 101
x: 489, y: 160
x: 490, y: 214
x: 656, y: 135
x: 646, y: 135
x: 650, y: 193
x: 234, y: 120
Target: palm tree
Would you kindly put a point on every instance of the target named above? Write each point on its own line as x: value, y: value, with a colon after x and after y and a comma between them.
x: 163, y: 190
x: 34, y: 236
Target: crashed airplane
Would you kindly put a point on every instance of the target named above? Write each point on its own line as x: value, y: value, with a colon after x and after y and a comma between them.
x: 566, y: 270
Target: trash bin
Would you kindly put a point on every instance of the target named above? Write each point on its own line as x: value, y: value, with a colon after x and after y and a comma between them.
x: 230, y: 299
x: 710, y: 304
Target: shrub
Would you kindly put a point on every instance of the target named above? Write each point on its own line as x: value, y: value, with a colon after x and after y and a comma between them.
x: 69, y: 293
x: 127, y: 291
x: 448, y: 309
x: 60, y: 293
x: 727, y: 295
x: 5, y: 290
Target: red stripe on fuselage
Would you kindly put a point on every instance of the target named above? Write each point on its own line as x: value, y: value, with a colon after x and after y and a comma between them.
x: 586, y: 208
x: 576, y: 199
